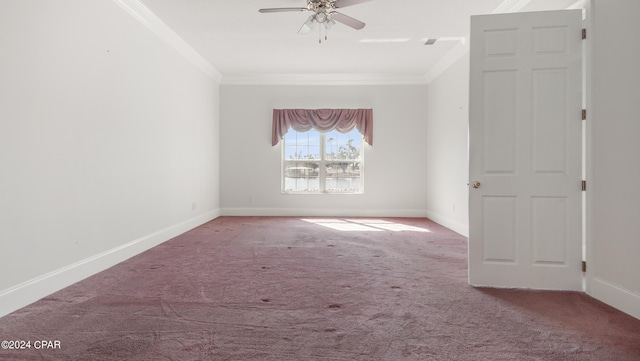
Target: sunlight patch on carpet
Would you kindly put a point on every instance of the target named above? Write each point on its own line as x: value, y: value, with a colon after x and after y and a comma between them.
x: 364, y: 225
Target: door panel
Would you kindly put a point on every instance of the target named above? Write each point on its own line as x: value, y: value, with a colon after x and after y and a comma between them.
x: 525, y: 150
x: 499, y: 229
x: 549, y: 130
x: 549, y: 230
x: 499, y: 143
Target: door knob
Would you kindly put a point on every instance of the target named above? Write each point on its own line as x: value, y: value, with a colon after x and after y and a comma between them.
x: 476, y: 184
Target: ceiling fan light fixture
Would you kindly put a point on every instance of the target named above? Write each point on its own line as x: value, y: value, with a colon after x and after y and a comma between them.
x: 323, y: 13
x: 307, y: 26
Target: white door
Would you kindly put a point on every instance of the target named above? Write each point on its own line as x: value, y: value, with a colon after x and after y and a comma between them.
x: 525, y: 203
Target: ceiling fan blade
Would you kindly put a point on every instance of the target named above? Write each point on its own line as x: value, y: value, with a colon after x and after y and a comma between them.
x: 344, y: 3
x: 347, y: 20
x: 307, y: 26
x: 280, y: 10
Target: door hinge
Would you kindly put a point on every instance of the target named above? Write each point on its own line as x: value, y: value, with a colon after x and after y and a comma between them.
x: 584, y: 266
x: 584, y: 185
x: 584, y: 33
x: 584, y: 114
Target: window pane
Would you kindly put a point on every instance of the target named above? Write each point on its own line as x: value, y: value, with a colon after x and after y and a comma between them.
x: 343, y: 177
x: 302, y: 145
x: 343, y: 145
x: 301, y: 176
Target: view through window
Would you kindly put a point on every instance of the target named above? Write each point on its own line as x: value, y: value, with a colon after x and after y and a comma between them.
x: 315, y: 162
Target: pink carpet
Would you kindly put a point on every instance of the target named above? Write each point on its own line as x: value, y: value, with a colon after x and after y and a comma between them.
x: 268, y: 288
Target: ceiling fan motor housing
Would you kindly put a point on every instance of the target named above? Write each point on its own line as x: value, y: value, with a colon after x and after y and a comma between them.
x: 321, y: 6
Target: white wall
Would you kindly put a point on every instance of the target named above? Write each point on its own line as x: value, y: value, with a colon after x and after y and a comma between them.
x: 447, y: 144
x: 394, y: 168
x: 107, y: 139
x: 614, y: 173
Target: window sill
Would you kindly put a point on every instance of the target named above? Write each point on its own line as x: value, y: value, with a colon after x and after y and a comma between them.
x: 321, y: 193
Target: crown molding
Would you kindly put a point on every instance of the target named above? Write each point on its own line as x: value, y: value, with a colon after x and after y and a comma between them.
x: 140, y: 12
x: 447, y: 61
x: 455, y: 54
x: 511, y: 6
x: 324, y: 79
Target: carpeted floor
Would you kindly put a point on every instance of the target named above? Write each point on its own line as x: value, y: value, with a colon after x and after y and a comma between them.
x: 268, y: 288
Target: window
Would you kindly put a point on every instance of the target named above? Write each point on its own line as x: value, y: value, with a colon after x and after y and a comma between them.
x: 315, y: 162
x: 316, y: 156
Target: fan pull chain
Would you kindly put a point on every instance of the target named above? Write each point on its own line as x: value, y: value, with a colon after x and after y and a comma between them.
x: 320, y: 34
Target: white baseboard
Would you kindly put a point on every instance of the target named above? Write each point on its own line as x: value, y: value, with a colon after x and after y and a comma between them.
x: 28, y: 292
x: 455, y: 226
x: 615, y: 296
x: 323, y: 212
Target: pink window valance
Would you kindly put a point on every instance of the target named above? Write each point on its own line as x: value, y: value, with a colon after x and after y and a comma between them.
x: 322, y: 120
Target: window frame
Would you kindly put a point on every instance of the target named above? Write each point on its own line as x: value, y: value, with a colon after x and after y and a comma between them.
x: 322, y: 162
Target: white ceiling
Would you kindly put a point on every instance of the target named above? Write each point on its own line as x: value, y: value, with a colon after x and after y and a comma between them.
x: 240, y: 42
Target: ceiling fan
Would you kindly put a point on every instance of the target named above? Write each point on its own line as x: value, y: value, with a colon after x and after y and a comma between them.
x: 323, y: 13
